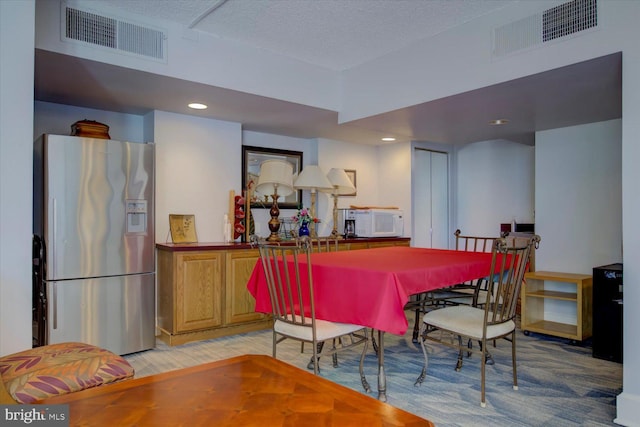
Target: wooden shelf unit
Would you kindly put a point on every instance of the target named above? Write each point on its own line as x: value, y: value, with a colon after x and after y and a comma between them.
x: 576, y: 288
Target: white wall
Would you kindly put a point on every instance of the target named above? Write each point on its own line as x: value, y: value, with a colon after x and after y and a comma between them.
x: 363, y: 159
x: 394, y: 179
x: 578, y: 203
x: 579, y: 197
x: 197, y: 164
x: 16, y: 161
x: 495, y: 184
x: 628, y: 407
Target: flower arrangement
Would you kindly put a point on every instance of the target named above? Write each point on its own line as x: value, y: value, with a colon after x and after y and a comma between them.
x: 303, y: 217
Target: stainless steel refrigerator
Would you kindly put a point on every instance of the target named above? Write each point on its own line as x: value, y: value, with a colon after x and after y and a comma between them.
x: 93, y: 240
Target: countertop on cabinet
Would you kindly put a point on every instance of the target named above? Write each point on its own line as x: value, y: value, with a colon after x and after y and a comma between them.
x: 204, y: 246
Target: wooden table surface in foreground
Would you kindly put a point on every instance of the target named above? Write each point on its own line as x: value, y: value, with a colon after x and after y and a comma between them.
x: 251, y: 390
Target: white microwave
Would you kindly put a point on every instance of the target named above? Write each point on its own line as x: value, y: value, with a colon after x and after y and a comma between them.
x: 370, y: 222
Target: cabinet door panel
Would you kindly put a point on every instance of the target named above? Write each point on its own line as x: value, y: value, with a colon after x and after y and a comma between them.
x: 240, y: 304
x: 166, y: 291
x: 198, y: 302
x: 356, y: 246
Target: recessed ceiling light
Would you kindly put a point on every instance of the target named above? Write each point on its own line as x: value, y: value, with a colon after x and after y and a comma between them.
x: 388, y: 138
x: 197, y: 106
x: 498, y: 122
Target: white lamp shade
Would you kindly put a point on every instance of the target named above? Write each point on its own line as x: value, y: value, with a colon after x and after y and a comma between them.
x: 275, y: 174
x: 340, y: 182
x: 312, y: 178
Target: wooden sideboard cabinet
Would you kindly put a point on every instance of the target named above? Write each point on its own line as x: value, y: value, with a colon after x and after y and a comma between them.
x: 356, y: 244
x: 202, y: 294
x: 240, y: 304
x: 383, y: 244
x: 202, y: 288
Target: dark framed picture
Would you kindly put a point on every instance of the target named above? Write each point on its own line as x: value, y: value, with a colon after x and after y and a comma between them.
x: 351, y: 173
x: 252, y: 158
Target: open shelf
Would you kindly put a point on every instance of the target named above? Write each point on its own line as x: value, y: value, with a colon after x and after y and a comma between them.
x: 574, y: 288
x: 568, y: 296
x: 554, y: 328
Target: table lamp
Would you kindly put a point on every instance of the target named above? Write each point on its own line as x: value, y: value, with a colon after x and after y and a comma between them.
x: 312, y: 178
x: 276, y: 179
x: 341, y: 184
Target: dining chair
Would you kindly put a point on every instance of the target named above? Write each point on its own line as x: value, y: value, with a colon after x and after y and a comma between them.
x: 472, y: 292
x: 478, y: 291
x: 289, y: 277
x: 321, y: 244
x: 494, y: 320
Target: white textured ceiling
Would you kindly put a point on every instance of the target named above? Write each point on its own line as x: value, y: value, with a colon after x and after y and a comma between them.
x: 337, y: 34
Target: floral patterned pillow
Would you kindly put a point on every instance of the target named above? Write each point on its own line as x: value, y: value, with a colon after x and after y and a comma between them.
x: 56, y: 369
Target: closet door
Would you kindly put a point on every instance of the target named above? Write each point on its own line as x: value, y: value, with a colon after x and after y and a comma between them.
x: 431, y: 199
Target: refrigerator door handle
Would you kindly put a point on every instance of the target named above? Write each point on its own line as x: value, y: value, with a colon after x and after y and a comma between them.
x: 54, y: 304
x: 54, y: 224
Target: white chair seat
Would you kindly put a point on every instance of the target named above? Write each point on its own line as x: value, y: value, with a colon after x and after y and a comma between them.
x: 324, y: 330
x: 467, y: 321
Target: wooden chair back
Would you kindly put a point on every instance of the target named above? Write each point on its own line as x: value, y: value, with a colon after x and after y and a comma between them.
x: 515, y: 237
x: 324, y: 244
x: 478, y: 287
x: 473, y: 243
x: 509, y: 264
x: 290, y: 282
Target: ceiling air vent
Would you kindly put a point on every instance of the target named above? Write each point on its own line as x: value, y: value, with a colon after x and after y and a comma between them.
x: 560, y: 21
x: 113, y: 33
x: 569, y: 18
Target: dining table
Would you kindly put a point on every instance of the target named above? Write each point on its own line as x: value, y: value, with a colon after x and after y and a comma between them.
x: 371, y: 287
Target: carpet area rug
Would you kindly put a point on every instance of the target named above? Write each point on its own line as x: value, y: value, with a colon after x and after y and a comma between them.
x: 560, y: 383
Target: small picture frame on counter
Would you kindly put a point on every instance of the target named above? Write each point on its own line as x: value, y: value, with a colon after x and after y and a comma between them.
x: 183, y: 228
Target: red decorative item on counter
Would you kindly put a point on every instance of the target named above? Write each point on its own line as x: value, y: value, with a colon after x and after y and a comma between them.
x: 239, y: 215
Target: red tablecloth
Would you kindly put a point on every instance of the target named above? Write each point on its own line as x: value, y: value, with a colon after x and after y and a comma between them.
x: 370, y: 287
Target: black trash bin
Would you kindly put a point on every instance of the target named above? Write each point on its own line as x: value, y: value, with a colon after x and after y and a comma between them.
x: 607, y: 312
